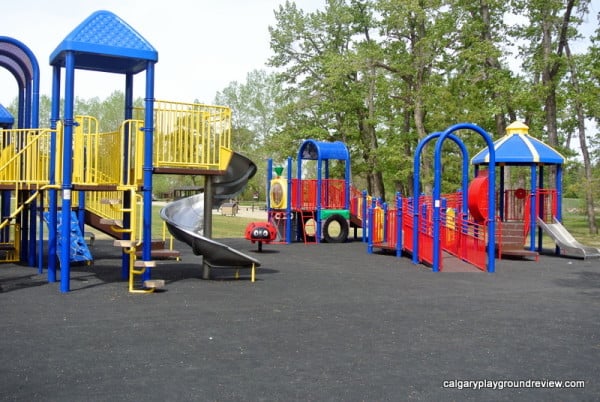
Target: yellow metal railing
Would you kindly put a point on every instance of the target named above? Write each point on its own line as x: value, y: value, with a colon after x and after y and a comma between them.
x: 10, y: 245
x: 189, y: 134
x: 185, y: 135
x: 134, y: 174
x: 96, y: 156
x: 95, y: 202
x: 25, y: 156
x: 11, y: 231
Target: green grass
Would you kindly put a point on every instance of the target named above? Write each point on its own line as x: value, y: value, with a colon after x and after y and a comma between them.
x: 229, y: 226
x: 234, y: 227
x: 578, y: 226
x: 223, y: 226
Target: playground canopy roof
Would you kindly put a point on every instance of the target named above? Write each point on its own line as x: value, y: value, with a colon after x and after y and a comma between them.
x: 104, y: 42
x: 5, y: 117
x: 519, y: 148
x: 18, y: 59
x: 319, y: 150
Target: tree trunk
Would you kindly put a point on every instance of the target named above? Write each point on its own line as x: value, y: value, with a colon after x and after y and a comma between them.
x: 587, y: 164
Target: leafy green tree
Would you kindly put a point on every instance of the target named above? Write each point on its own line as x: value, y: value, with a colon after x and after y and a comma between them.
x: 326, y: 69
x: 253, y: 105
x: 549, y: 26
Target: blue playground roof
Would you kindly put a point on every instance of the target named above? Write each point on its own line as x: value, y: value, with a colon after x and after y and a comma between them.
x: 5, y: 117
x: 17, y: 59
x: 319, y: 150
x: 519, y: 148
x: 104, y: 42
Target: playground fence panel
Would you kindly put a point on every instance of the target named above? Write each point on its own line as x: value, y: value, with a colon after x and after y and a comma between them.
x: 357, y: 203
x: 425, y: 230
x: 133, y: 129
x: 408, y: 224
x: 547, y: 202
x: 333, y: 193
x: 25, y: 156
x: 304, y: 194
x: 387, y: 225
x: 94, y: 203
x: 546, y: 207
x: 453, y: 200
x: 189, y: 134
x: 514, y: 204
x: 426, y: 241
x: 463, y: 238
x: 94, y: 154
x: 378, y: 219
x: 10, y: 245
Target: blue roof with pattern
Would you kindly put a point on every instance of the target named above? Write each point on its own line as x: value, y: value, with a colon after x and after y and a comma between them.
x: 520, y: 149
x: 5, y: 117
x: 104, y: 42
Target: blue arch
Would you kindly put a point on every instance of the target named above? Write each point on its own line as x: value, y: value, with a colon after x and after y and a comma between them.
x: 20, y: 61
x: 322, y: 151
x: 416, y: 185
x: 491, y: 246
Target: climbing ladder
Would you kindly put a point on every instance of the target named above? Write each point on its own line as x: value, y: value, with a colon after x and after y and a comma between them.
x: 130, y: 244
x: 308, y: 220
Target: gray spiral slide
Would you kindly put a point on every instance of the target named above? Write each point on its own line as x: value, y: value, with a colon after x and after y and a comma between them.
x: 185, y: 218
x: 566, y: 242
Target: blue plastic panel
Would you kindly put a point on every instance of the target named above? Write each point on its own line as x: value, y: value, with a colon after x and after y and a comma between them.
x: 104, y: 42
x: 520, y: 149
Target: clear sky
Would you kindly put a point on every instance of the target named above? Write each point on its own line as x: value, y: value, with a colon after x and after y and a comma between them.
x: 202, y: 45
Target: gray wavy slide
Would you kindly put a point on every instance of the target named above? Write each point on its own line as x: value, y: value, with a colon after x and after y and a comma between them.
x: 185, y: 217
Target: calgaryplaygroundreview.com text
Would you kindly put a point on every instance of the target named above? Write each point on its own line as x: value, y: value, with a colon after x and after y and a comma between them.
x: 512, y: 384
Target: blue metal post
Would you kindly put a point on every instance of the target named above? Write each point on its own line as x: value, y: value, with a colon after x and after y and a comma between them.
x: 268, y: 185
x: 288, y: 208
x: 366, y: 220
x: 399, y: 225
x: 127, y: 201
x: 53, y: 199
x: 40, y: 254
x: 532, y: 208
x: 319, y: 199
x: 558, y: 197
x: 35, y: 120
x: 81, y: 212
x: 559, y: 191
x: 31, y: 254
x: 65, y: 268
x: 347, y: 178
x: 148, y: 152
x: 371, y: 225
x: 542, y: 213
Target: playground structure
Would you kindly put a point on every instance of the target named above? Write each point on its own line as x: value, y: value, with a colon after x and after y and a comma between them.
x: 324, y: 208
x: 434, y: 229
x: 317, y: 209
x: 70, y: 174
x: 459, y: 225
